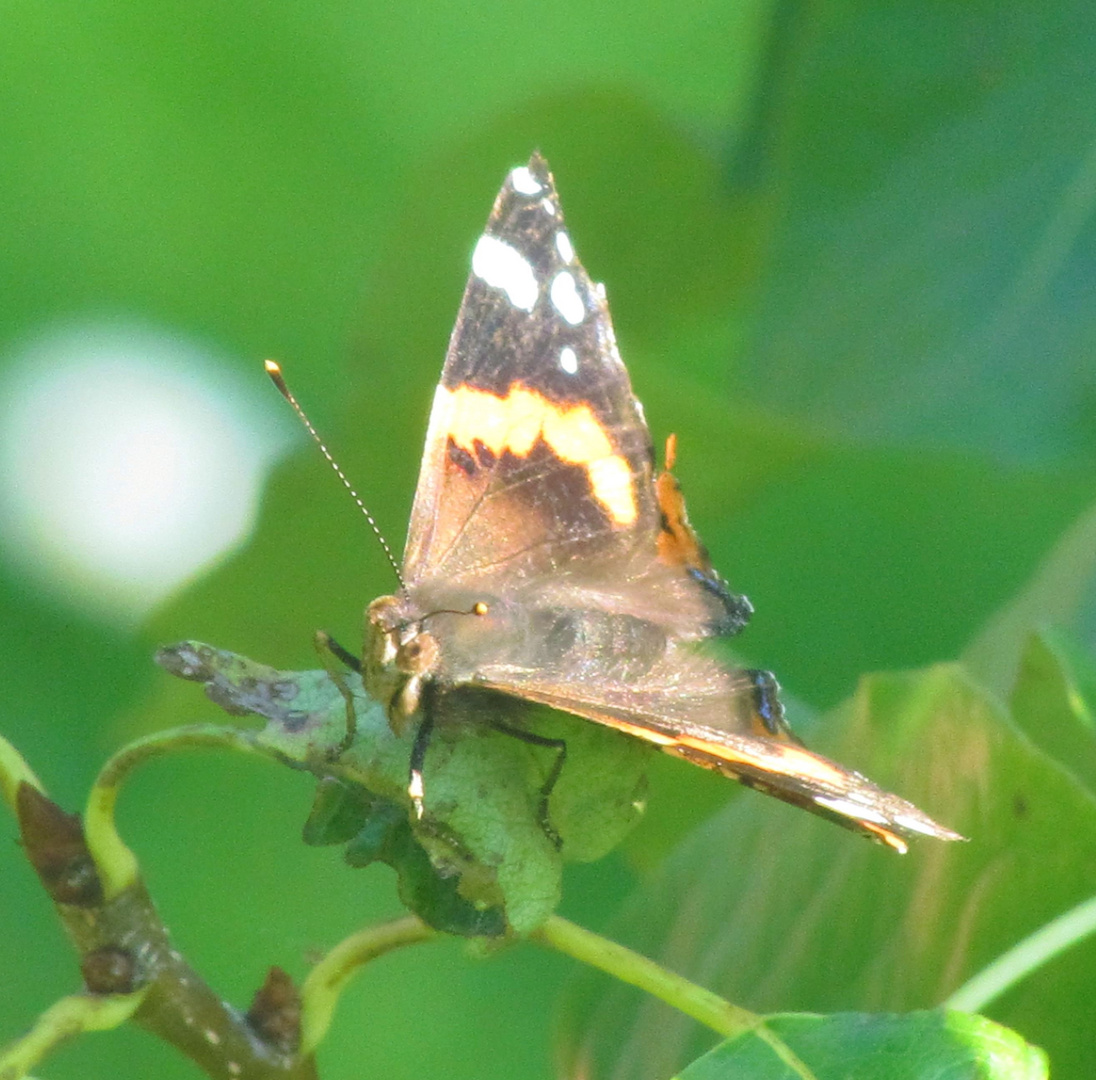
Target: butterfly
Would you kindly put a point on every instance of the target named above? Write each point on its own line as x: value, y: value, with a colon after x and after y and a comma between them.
x: 549, y: 560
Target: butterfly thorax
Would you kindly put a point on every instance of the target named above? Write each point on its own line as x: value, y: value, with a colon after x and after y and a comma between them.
x: 461, y: 637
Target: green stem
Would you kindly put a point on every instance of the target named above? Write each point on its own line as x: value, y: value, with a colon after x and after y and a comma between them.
x: 14, y: 771
x: 117, y: 865
x: 327, y: 980
x: 687, y: 997
x: 65, y: 1019
x: 631, y: 967
x: 1024, y: 958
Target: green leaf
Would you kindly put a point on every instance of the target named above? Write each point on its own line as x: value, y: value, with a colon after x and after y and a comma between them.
x: 775, y: 910
x: 339, y: 811
x: 935, y: 238
x: 1061, y: 592
x: 480, y: 861
x: 1048, y: 706
x: 860, y: 1046
x: 435, y: 894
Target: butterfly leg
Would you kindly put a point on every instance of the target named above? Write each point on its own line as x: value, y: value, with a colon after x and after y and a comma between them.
x: 327, y: 642
x: 415, y: 787
x: 560, y: 746
x: 328, y: 647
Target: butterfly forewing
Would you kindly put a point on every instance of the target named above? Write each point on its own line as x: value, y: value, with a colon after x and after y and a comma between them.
x: 537, y: 452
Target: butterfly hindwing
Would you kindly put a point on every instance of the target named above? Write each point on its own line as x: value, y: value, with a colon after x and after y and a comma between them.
x: 668, y: 708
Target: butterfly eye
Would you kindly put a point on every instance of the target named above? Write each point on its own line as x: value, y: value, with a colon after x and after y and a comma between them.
x: 480, y: 608
x: 419, y: 655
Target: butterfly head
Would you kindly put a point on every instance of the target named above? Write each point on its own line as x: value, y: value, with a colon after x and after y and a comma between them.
x: 403, y: 653
x: 400, y: 654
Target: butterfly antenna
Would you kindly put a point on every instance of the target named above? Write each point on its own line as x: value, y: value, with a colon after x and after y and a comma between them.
x: 275, y: 373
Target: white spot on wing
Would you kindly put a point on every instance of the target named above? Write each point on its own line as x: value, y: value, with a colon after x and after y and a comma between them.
x: 525, y: 182
x: 548, y: 207
x: 564, y: 246
x: 568, y: 360
x: 566, y: 299
x: 504, y: 267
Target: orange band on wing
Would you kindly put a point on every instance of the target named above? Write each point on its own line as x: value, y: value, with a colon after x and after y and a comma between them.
x: 573, y: 433
x: 799, y: 762
x: 892, y: 840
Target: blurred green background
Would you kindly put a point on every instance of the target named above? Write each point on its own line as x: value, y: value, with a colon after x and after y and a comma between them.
x: 851, y: 257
